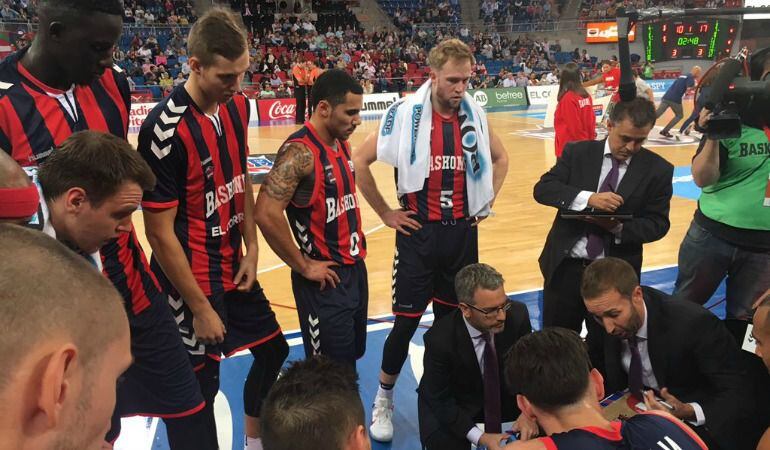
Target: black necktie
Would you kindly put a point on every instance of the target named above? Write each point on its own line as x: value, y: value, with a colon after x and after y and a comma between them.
x: 635, y: 384
x: 492, y: 415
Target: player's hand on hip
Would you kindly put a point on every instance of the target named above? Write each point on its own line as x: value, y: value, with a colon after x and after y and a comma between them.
x: 208, y: 327
x: 401, y: 220
x: 247, y: 272
x: 605, y: 201
x: 321, y: 272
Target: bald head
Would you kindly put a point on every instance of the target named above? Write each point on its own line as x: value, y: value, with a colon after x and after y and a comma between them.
x: 48, y: 294
x: 695, y: 71
x: 11, y: 174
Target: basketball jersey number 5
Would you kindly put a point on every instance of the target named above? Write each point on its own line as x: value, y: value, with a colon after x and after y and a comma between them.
x: 446, y: 199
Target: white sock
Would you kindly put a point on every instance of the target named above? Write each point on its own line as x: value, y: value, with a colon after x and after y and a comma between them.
x: 385, y: 393
x: 253, y: 443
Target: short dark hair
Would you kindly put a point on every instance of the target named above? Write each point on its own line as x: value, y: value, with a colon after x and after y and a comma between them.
x: 606, y: 274
x: 549, y: 367
x: 55, y: 8
x: 217, y: 32
x: 333, y: 85
x: 48, y: 291
x: 640, y: 111
x: 315, y: 401
x: 97, y: 162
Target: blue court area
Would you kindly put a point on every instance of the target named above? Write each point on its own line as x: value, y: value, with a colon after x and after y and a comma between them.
x: 145, y: 434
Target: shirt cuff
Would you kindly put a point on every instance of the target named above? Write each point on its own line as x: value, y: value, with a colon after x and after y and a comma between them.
x: 700, y: 417
x: 617, y: 232
x: 474, y: 435
x: 581, y: 201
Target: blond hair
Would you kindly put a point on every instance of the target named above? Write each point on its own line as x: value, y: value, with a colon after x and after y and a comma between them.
x: 218, y: 32
x: 449, y: 49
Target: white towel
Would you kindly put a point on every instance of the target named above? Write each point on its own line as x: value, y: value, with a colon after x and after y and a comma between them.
x: 404, y: 142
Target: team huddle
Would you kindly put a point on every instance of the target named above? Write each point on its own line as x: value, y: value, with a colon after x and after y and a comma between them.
x: 69, y: 172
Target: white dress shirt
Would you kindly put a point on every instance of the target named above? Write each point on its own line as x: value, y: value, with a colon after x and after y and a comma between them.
x: 477, y: 339
x: 648, y: 376
x: 581, y: 201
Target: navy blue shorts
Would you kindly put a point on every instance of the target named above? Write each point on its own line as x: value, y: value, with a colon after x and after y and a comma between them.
x: 160, y: 382
x: 247, y: 316
x: 333, y: 320
x: 425, y: 264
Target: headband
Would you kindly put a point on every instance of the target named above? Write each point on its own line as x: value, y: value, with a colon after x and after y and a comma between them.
x: 18, y: 203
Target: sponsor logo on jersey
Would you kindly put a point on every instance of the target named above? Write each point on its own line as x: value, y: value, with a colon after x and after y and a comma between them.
x: 337, y: 206
x: 224, y: 193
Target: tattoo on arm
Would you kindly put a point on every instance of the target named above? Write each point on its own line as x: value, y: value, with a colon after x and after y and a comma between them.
x: 293, y: 163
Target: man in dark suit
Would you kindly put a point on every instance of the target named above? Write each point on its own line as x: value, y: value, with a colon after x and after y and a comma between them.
x: 463, y: 361
x: 618, y: 176
x: 679, y: 350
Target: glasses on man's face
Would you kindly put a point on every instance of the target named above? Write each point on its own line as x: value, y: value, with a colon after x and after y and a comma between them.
x: 491, y: 311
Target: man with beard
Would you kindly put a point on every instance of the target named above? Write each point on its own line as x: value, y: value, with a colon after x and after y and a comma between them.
x: 675, y: 356
x: 313, y: 181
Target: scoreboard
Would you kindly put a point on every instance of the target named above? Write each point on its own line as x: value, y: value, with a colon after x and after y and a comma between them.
x: 689, y: 38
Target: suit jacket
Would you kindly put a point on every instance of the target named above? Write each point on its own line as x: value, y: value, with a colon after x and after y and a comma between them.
x: 693, y: 355
x: 451, y: 392
x: 646, y: 190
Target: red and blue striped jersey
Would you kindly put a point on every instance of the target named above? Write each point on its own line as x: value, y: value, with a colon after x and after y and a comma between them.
x: 35, y: 118
x: 200, y: 163
x: 329, y: 226
x: 645, y: 430
x: 443, y: 196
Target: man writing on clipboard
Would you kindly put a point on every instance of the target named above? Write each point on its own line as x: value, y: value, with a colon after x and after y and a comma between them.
x: 612, y: 196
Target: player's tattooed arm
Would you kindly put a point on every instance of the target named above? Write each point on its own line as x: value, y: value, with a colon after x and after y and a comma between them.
x: 293, y: 163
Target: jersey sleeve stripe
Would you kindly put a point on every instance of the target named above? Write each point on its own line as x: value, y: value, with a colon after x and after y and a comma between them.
x: 679, y: 424
x: 160, y: 205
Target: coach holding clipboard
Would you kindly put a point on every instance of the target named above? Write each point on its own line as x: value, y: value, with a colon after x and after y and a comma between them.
x: 612, y: 196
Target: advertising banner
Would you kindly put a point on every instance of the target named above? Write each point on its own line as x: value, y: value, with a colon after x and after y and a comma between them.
x: 376, y: 104
x: 539, y: 95
x: 605, y: 32
x: 491, y: 98
x: 137, y: 115
x: 276, y: 109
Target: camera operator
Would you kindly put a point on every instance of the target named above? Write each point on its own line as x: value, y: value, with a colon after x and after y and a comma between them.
x: 730, y: 233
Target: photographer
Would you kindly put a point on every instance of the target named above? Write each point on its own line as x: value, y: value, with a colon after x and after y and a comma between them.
x: 730, y: 233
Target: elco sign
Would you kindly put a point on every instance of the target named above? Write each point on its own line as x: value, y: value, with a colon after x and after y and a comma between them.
x: 538, y: 95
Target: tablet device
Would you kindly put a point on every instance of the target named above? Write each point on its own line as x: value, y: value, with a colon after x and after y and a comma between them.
x: 597, y: 214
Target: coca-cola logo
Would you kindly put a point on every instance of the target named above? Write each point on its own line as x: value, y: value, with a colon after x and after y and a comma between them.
x: 279, y: 110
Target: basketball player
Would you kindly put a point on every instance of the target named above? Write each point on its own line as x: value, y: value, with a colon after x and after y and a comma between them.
x: 316, y: 400
x: 437, y: 236
x: 561, y: 391
x: 200, y: 214
x: 65, y: 343
x: 63, y: 83
x: 313, y: 181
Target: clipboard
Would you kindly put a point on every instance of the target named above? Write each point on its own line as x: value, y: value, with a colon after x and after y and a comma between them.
x: 596, y: 214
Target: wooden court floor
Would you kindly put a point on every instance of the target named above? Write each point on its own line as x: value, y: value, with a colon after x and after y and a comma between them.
x: 510, y: 241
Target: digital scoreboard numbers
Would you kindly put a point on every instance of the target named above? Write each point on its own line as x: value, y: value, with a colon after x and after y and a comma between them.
x: 689, y: 39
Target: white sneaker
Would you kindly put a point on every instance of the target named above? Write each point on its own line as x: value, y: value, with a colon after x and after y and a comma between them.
x: 381, y: 428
